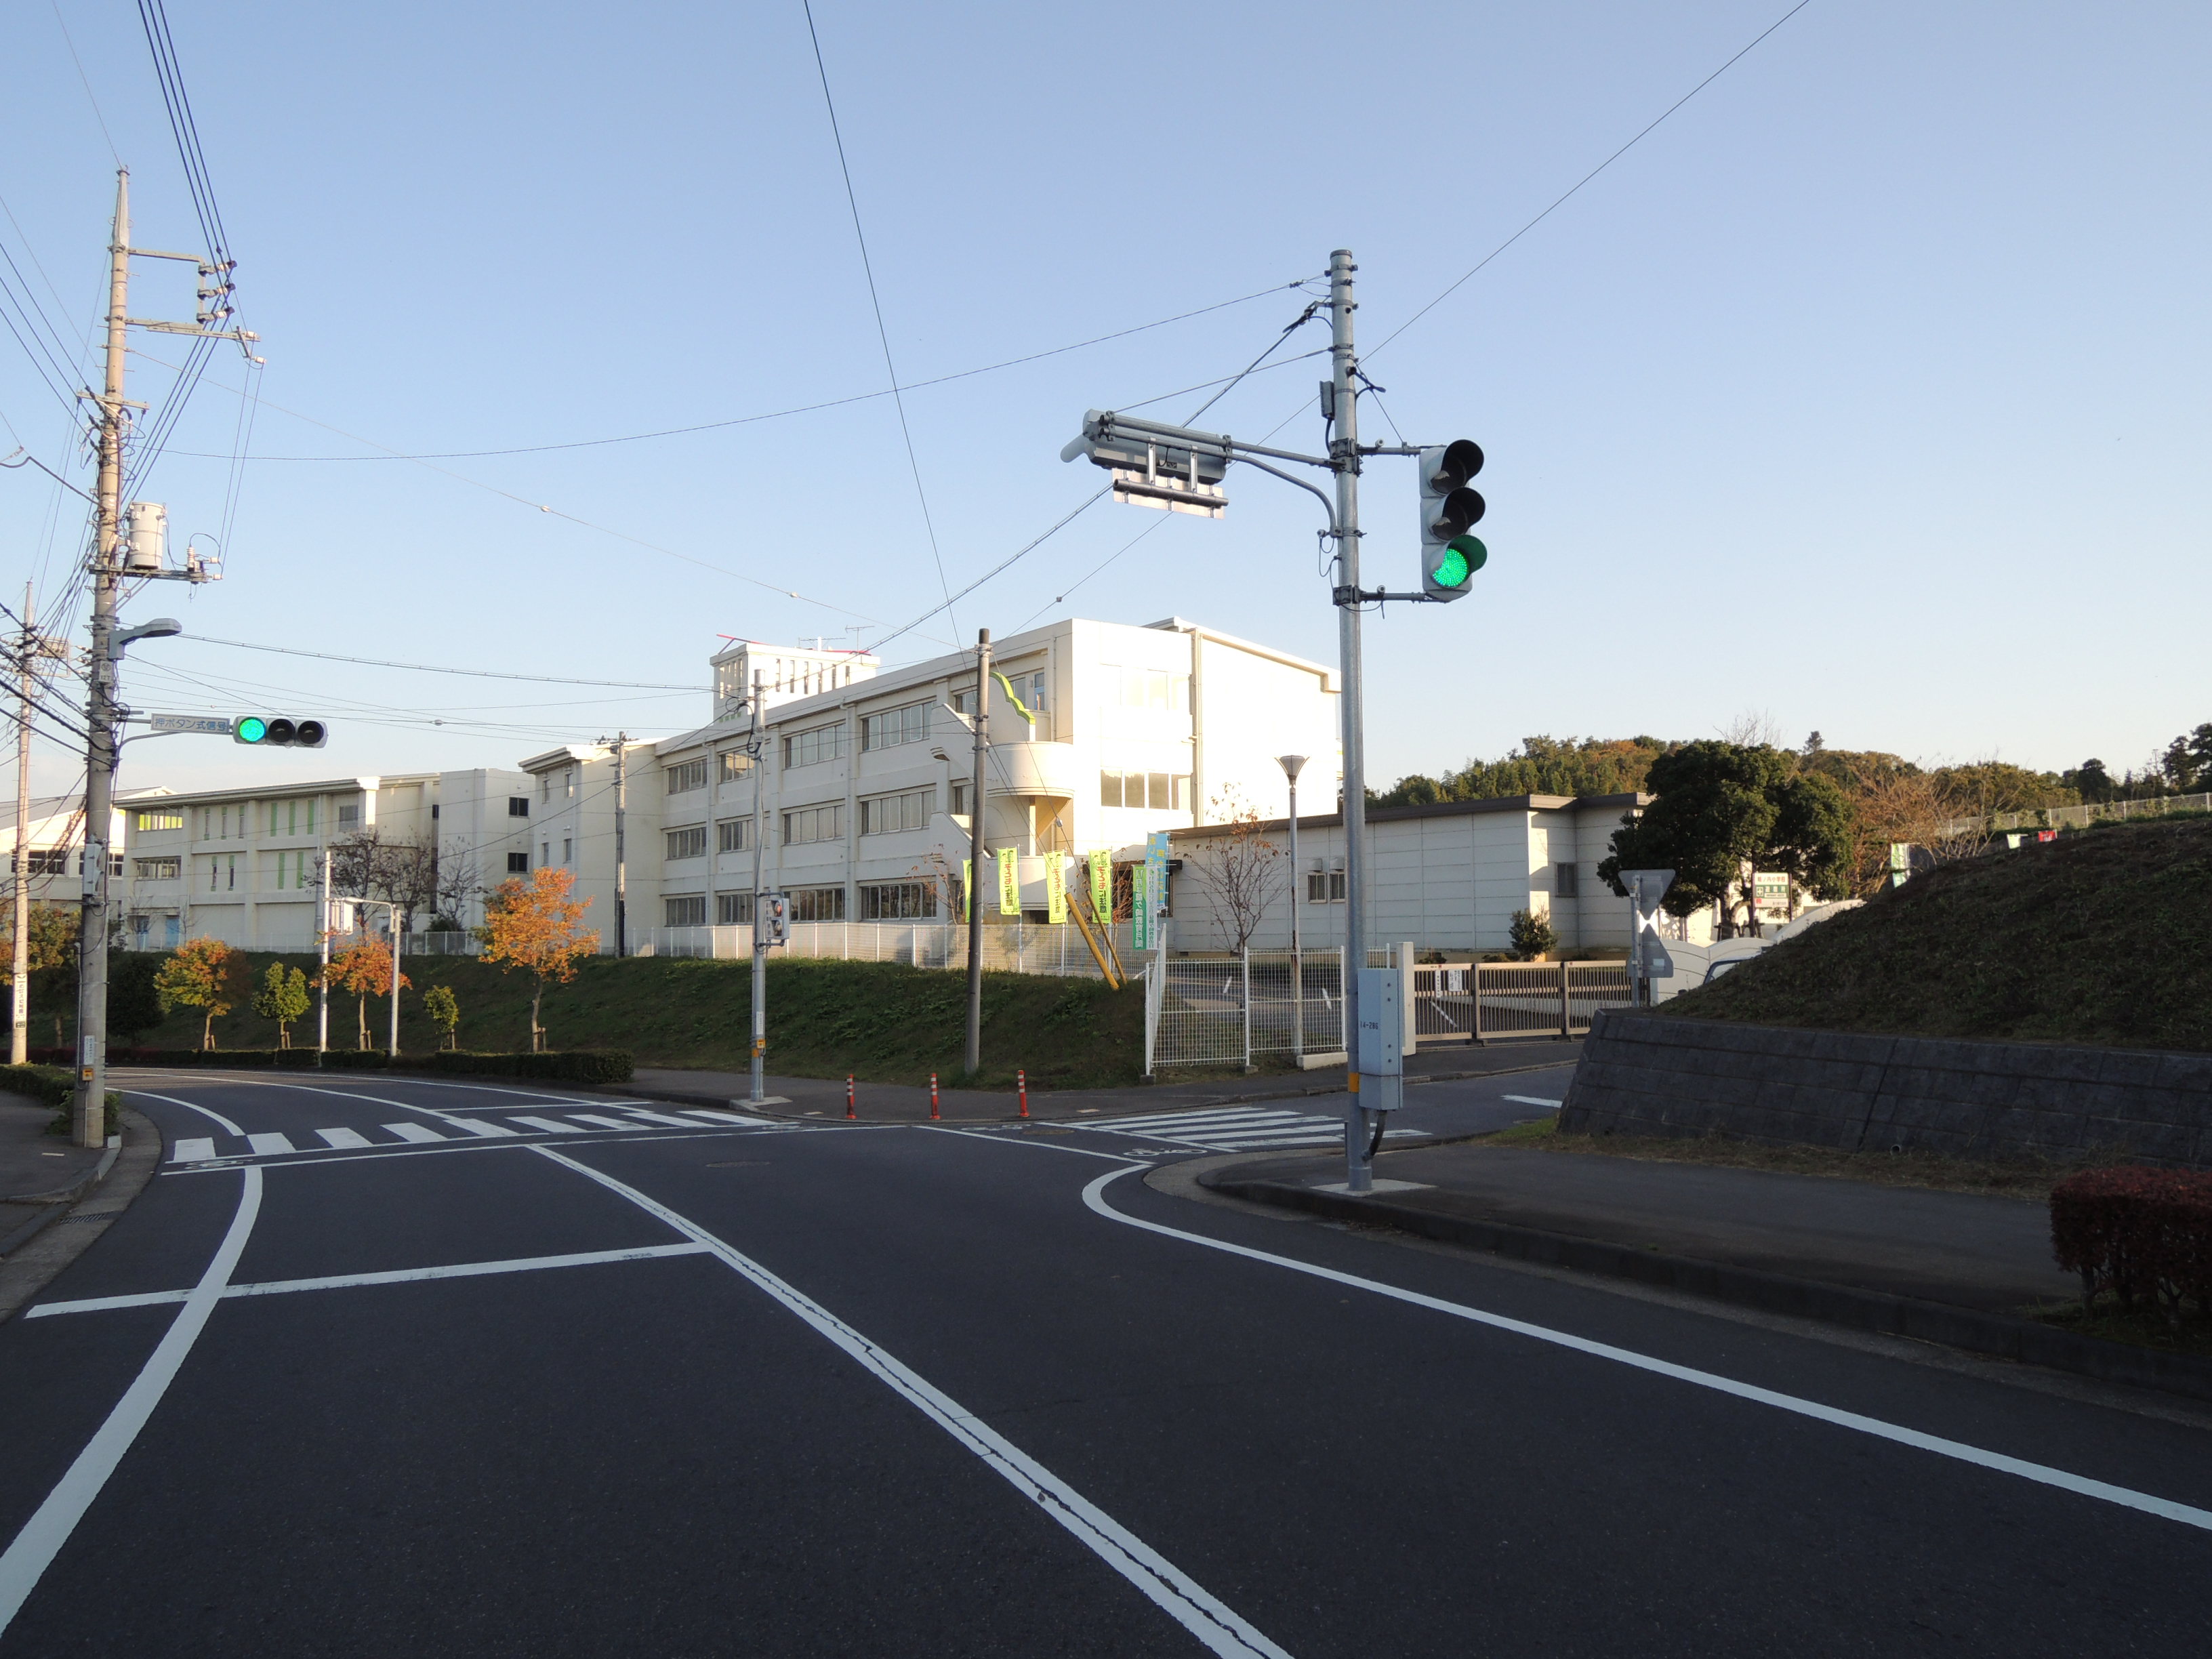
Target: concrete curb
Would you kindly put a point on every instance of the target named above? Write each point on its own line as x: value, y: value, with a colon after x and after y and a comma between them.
x: 1967, y: 1328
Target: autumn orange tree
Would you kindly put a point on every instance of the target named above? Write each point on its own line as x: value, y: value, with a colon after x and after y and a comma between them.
x: 202, y: 974
x: 534, y: 925
x: 365, y: 970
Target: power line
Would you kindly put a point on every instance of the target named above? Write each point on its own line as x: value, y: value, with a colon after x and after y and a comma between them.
x: 1587, y: 177
x: 85, y: 81
x: 775, y: 414
x: 1003, y: 565
x: 867, y: 267
x: 432, y: 668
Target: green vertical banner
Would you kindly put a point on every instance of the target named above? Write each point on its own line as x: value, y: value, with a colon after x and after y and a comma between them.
x: 1140, y: 908
x: 1010, y: 884
x: 967, y: 885
x: 1156, y: 878
x: 1055, y: 887
x: 1101, y: 885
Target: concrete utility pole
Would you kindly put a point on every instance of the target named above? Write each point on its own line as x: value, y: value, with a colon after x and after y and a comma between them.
x: 323, y: 946
x: 19, y: 1001
x: 1292, y: 765
x: 621, y: 861
x: 88, y: 1113
x: 757, y: 751
x: 1344, y: 450
x: 976, y: 853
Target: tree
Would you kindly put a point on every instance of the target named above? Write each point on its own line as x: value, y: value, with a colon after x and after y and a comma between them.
x: 134, y: 1005
x: 1241, y: 871
x: 533, y: 925
x: 202, y: 974
x: 405, y: 872
x: 2187, y: 761
x: 283, y: 998
x: 1532, y: 935
x: 365, y: 970
x: 444, y: 1010
x: 2091, y: 782
x: 52, y: 954
x: 1726, y: 811
x: 1538, y: 766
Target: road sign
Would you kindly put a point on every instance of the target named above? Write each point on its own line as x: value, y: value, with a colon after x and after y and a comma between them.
x: 1175, y: 469
x: 1648, y: 960
x: 212, y: 725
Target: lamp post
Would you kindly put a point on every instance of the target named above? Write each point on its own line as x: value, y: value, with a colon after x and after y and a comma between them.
x: 1292, y: 765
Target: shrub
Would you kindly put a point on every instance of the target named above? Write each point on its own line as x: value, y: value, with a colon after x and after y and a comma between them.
x: 50, y: 1086
x: 1532, y: 935
x: 2137, y: 1231
x: 579, y: 1066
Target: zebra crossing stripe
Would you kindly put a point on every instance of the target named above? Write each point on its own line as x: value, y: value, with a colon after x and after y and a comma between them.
x: 412, y: 1132
x: 271, y: 1143
x: 552, y: 1124
x: 345, y: 1138
x: 195, y: 1151
x: 476, y: 1125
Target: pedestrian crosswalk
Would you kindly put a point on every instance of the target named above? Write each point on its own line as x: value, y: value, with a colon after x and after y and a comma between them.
x: 203, y: 1149
x: 1233, y: 1128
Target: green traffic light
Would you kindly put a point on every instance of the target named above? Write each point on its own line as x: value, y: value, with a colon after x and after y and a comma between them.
x: 253, y: 728
x: 1463, y: 557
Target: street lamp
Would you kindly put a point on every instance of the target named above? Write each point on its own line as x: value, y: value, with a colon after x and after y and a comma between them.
x: 1292, y: 765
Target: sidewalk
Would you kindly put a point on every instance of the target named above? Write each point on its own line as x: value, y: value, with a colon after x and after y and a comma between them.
x: 1957, y: 1268
x: 893, y: 1102
x: 39, y: 1172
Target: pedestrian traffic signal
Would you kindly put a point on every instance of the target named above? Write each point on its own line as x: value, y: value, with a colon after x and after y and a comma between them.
x: 277, y: 731
x: 1449, y: 557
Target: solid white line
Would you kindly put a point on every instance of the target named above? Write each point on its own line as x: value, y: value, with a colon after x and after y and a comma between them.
x: 551, y: 1125
x: 1093, y: 1196
x: 1531, y: 1100
x: 997, y: 1138
x: 1170, y: 1588
x: 345, y: 1137
x: 1183, y: 1119
x: 348, y: 1281
x: 46, y: 1531
x: 271, y: 1143
x: 476, y: 1125
x: 412, y: 1132
x: 192, y: 1151
x: 190, y: 1107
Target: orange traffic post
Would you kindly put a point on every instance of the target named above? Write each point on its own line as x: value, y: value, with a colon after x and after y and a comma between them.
x: 1022, y: 1082
x: 932, y: 1094
x: 849, y: 1112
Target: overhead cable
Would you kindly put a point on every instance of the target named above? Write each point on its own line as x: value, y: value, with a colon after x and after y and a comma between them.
x: 432, y: 668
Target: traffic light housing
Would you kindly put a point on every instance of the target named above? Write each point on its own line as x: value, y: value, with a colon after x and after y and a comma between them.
x: 1449, y: 556
x: 278, y: 732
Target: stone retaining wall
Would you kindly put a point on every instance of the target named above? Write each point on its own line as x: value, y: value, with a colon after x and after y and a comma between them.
x: 1652, y: 1074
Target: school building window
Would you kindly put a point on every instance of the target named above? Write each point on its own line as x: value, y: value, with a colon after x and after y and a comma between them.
x: 166, y: 817
x: 160, y: 869
x: 733, y: 910
x: 887, y: 815
x: 1157, y: 792
x: 518, y: 864
x: 1325, y: 886
x: 895, y: 726
x: 687, y: 843
x: 818, y: 904
x: 897, y: 901
x: 812, y: 823
x: 689, y: 910
x: 735, y: 763
x: 824, y: 743
x: 689, y: 775
x: 734, y: 834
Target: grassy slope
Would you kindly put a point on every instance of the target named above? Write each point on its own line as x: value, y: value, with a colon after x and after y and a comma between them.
x: 883, y: 1023
x: 2103, y: 937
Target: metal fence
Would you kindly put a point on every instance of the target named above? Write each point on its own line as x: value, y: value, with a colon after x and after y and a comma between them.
x: 2081, y: 817
x: 1017, y: 947
x: 1227, y: 1010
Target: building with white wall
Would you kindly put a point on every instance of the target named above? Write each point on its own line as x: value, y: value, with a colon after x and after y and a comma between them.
x: 243, y: 865
x: 1448, y: 877
x: 53, y: 844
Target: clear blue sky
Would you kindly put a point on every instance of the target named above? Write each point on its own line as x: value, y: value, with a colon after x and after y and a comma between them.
x: 1862, y: 392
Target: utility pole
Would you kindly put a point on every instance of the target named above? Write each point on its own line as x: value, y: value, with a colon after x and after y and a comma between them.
x: 19, y: 1010
x: 88, y: 1111
x: 1292, y: 765
x: 974, y: 1056
x: 1344, y: 450
x: 754, y: 748
x: 621, y: 861
x: 323, y: 945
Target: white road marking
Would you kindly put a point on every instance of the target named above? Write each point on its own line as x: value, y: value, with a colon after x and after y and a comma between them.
x: 603, y: 1122
x: 345, y: 1137
x: 476, y: 1125
x: 1225, y: 1128
x: 412, y: 1132
x: 172, y: 1101
x: 192, y: 1152
x: 1093, y: 1196
x: 551, y: 1125
x: 271, y: 1143
x: 1532, y: 1100
x: 656, y: 1117
x: 43, y: 1535
x: 729, y: 1117
x: 1166, y: 1585
x: 348, y: 1281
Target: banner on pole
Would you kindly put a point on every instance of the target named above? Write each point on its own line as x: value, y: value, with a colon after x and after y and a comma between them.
x: 1101, y: 885
x: 1010, y: 884
x: 967, y: 885
x: 1156, y: 875
x: 1140, y: 907
x: 1055, y: 888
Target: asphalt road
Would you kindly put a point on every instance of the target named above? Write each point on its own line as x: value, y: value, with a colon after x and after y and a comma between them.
x: 709, y: 1387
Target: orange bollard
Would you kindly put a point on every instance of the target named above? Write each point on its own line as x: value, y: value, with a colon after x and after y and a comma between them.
x: 1022, y: 1082
x: 849, y: 1112
x: 932, y: 1094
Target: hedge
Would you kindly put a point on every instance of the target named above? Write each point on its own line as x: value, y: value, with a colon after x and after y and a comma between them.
x: 2137, y: 1231
x: 576, y: 1066
x: 50, y: 1086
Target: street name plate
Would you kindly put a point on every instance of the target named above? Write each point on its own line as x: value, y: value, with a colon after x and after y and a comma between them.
x: 212, y: 724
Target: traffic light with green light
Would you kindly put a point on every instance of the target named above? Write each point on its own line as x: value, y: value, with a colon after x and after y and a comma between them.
x: 1449, y: 556
x: 277, y: 731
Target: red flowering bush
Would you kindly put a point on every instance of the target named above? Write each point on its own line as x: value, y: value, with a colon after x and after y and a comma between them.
x: 2136, y: 1232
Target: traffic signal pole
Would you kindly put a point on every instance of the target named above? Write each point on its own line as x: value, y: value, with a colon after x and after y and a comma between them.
x: 1344, y: 454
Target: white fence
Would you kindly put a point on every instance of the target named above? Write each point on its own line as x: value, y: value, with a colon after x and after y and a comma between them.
x: 2081, y: 817
x: 1017, y: 947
